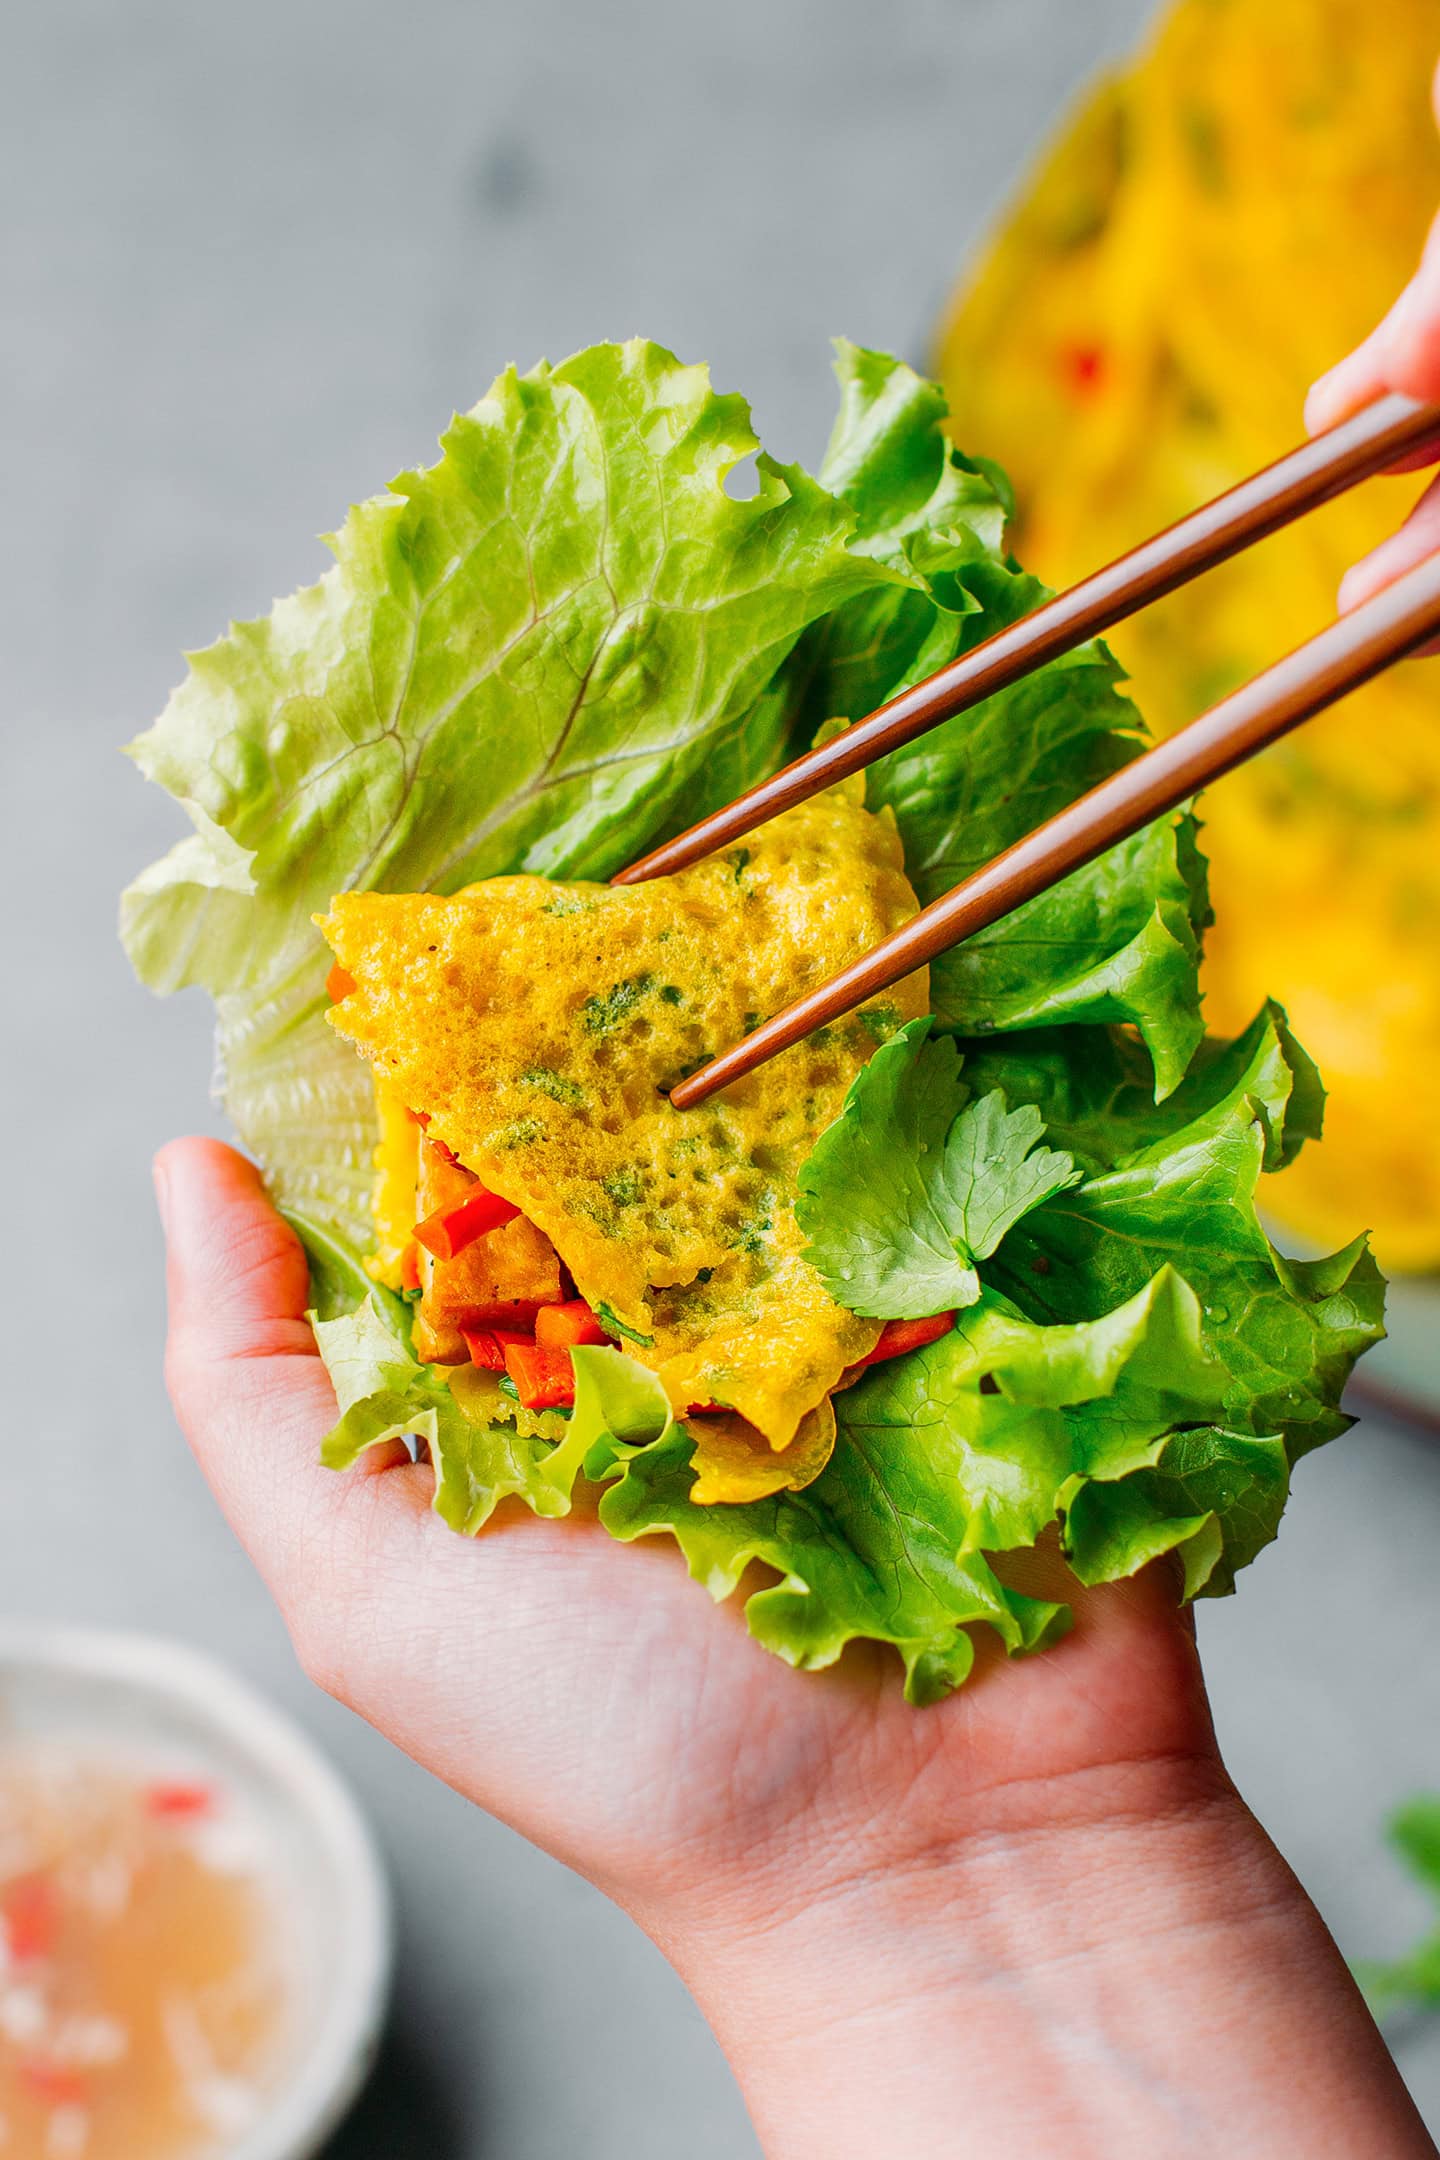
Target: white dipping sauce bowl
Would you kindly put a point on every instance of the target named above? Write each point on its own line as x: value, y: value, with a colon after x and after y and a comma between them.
x: 137, y: 1692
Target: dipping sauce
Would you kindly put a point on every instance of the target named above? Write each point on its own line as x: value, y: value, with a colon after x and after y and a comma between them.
x: 145, y: 1987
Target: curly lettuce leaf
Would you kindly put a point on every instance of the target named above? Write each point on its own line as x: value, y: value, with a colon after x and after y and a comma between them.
x: 541, y: 654
x: 974, y: 1445
x: 1116, y: 942
x: 1286, y: 1331
x: 384, y: 1393
x: 1092, y: 1087
x: 1023, y: 1411
x: 915, y: 1182
x: 1213, y: 1497
x: 873, y: 1550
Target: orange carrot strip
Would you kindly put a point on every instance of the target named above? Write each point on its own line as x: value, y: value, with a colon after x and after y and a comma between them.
x: 563, y: 1327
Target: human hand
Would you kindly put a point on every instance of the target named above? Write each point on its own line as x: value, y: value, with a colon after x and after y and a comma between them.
x: 1037, y: 1914
x: 1401, y: 353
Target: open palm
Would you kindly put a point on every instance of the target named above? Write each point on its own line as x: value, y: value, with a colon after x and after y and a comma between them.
x: 589, y: 1693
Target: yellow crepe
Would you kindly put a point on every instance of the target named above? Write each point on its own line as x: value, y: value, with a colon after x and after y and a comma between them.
x: 397, y: 1168
x: 537, y: 1026
x: 1217, y: 226
x: 729, y: 1466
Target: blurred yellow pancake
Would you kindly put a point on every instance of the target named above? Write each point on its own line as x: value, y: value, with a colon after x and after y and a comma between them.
x: 1215, y: 228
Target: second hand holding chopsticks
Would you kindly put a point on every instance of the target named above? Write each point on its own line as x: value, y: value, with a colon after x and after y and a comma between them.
x: 1392, y: 624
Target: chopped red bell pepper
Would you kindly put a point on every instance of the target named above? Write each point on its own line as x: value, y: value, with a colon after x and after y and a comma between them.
x: 338, y: 983
x: 898, y: 1336
x: 178, y: 1801
x: 410, y: 1267
x: 418, y: 1117
x: 487, y: 1346
x: 30, y: 1912
x: 563, y: 1327
x: 55, y: 2085
x: 544, y: 1379
x: 449, y: 1230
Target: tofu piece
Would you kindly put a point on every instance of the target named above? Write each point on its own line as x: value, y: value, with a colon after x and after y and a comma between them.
x: 503, y: 1277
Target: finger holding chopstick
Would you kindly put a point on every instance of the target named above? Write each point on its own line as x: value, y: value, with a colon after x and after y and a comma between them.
x: 1401, y: 355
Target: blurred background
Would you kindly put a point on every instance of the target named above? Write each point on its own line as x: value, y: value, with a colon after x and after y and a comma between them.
x: 252, y: 259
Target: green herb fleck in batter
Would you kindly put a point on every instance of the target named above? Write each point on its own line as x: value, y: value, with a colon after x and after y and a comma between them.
x: 605, y: 1011
x: 553, y: 1084
x: 612, y: 1326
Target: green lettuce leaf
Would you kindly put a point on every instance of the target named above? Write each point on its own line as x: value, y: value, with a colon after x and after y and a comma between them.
x: 1118, y: 941
x: 563, y: 642
x: 1411, y: 1982
x: 914, y: 1182
x: 1286, y: 1331
x: 873, y: 1550
x: 1023, y: 1410
x: 1214, y: 1497
x: 542, y: 654
x: 1093, y: 1091
x: 386, y: 1394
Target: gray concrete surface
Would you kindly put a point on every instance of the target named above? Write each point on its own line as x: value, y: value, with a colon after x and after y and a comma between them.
x: 252, y: 257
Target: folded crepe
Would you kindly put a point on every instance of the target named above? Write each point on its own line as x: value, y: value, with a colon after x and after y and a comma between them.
x: 524, y: 1035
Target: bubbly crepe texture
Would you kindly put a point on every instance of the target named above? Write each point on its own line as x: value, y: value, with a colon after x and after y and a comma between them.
x: 537, y: 1026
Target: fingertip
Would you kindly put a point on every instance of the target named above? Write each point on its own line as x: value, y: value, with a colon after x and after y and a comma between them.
x: 1319, y: 406
x: 1414, y: 346
x: 1356, y: 585
x: 1416, y: 542
x: 196, y: 1157
x: 1342, y: 390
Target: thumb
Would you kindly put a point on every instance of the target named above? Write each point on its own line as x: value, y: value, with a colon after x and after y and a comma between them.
x: 249, y: 1387
x: 236, y: 1272
x: 254, y: 1400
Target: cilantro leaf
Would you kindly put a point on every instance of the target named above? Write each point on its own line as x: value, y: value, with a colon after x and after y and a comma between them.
x: 914, y: 1183
x: 996, y: 1170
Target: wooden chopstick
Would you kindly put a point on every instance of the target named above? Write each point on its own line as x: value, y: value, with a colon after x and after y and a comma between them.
x: 1345, y: 655
x: 1355, y: 450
